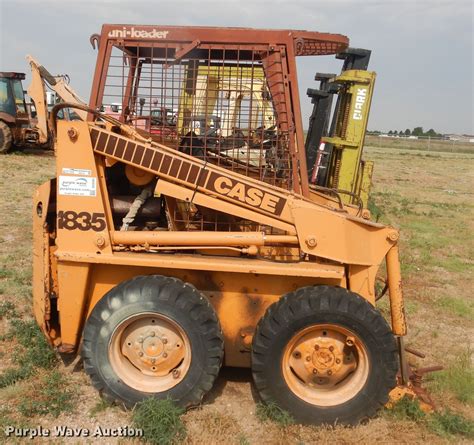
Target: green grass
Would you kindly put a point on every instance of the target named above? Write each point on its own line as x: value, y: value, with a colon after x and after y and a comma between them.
x: 271, y: 411
x: 456, y: 306
x: 99, y: 407
x: 160, y: 421
x: 52, y: 397
x: 406, y: 409
x: 33, y: 352
x: 458, y: 378
x: 444, y: 423
x: 448, y: 423
x: 8, y: 310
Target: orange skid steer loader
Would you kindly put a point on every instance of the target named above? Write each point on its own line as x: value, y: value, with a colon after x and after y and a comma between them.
x: 166, y: 248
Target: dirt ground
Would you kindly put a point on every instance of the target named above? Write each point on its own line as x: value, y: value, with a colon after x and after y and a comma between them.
x: 429, y: 196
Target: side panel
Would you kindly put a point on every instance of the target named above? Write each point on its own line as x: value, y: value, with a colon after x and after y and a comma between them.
x: 240, y: 300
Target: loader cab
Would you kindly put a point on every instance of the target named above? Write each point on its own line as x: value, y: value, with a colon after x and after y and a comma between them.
x: 14, y: 114
x: 12, y: 97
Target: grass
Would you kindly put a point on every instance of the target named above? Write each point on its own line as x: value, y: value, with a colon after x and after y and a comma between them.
x: 8, y: 310
x: 443, y: 423
x: 99, y: 407
x: 448, y: 423
x: 160, y: 421
x: 53, y: 397
x: 32, y: 353
x: 457, y: 306
x: 458, y: 378
x: 272, y: 412
x: 428, y: 196
x: 420, y: 144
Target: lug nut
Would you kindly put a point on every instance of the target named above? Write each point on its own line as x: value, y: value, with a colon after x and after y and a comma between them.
x: 350, y: 341
x: 297, y: 354
x: 329, y: 372
x: 140, y: 354
x: 152, y: 333
x: 153, y: 361
x: 164, y: 340
x: 315, y: 371
x: 176, y: 373
x: 331, y: 348
x: 316, y: 347
x: 165, y: 354
x: 308, y: 358
x: 338, y: 360
x: 140, y: 340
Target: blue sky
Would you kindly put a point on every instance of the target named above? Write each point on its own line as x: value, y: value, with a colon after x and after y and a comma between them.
x: 422, y: 50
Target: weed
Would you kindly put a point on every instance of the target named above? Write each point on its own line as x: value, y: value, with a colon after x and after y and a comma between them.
x: 406, y: 408
x: 457, y: 306
x: 53, y: 397
x: 448, y: 423
x: 12, y: 375
x: 271, y: 411
x: 6, y: 419
x: 160, y: 421
x: 458, y: 378
x: 99, y: 407
x: 374, y: 209
x: 8, y: 310
x: 34, y: 352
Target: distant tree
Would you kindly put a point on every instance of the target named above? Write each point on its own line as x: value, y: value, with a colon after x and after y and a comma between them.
x: 407, y: 132
x: 390, y: 132
x: 400, y: 132
x: 417, y: 131
x: 431, y: 133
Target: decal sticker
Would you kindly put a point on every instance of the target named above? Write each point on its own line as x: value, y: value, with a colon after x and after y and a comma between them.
x: 76, y: 171
x: 77, y: 186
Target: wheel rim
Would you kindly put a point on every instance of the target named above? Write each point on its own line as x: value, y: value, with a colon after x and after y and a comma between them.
x: 150, y: 352
x: 325, y: 364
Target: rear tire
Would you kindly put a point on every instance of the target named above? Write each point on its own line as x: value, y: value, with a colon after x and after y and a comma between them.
x: 6, y: 139
x: 153, y: 336
x: 325, y: 355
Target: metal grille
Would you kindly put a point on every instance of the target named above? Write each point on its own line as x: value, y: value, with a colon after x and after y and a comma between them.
x: 215, y: 103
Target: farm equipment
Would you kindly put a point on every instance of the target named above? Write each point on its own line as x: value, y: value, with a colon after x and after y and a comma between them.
x: 17, y: 125
x: 165, y: 255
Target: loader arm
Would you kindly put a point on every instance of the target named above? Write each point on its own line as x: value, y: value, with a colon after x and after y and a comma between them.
x: 37, y: 91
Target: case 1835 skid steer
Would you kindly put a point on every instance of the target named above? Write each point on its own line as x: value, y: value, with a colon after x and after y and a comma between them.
x: 187, y: 234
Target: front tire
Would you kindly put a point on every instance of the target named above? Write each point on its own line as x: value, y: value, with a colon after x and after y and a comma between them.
x: 153, y: 336
x: 325, y: 355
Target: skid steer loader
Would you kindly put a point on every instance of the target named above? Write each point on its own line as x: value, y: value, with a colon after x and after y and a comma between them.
x: 164, y: 258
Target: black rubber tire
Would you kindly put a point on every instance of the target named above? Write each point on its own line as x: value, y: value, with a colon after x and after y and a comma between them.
x: 173, y: 298
x: 6, y: 139
x: 314, y: 305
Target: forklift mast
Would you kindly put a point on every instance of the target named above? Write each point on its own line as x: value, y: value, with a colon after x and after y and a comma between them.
x: 334, y: 151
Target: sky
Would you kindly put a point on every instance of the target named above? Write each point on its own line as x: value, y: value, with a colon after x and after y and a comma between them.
x: 422, y: 50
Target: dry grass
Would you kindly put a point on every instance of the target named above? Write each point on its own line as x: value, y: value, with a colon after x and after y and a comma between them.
x: 428, y: 195
x: 427, y: 144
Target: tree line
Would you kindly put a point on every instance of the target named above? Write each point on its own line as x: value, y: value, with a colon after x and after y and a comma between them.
x: 417, y: 131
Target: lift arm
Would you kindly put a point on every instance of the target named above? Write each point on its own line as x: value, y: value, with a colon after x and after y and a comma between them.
x: 37, y: 91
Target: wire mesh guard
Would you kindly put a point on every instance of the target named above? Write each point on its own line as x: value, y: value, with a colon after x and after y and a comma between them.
x: 223, y: 105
